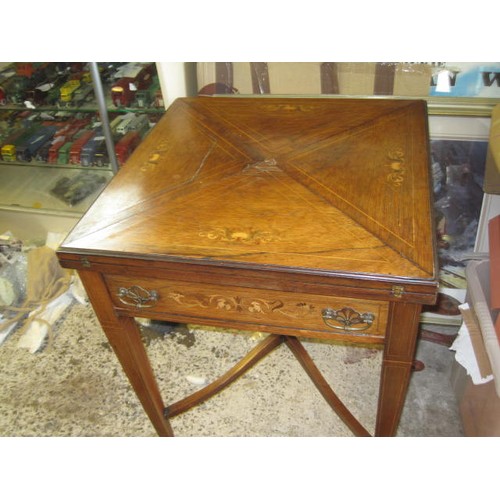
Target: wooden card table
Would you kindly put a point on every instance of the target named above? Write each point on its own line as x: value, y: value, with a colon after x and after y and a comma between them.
x: 298, y: 217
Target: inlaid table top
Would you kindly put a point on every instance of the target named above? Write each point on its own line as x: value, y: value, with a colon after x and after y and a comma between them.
x: 299, y: 217
x: 335, y: 186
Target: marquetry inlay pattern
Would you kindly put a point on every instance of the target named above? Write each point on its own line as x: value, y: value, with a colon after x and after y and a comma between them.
x: 236, y: 303
x: 296, y: 217
x: 240, y: 235
x: 397, y: 168
x: 330, y: 169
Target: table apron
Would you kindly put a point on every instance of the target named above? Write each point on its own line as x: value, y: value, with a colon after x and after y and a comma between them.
x: 302, y: 314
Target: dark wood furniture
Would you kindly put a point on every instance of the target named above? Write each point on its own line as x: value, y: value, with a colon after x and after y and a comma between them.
x: 297, y: 217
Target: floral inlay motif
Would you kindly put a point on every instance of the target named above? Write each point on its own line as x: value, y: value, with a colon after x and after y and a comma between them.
x: 288, y: 107
x: 155, y: 156
x: 239, y: 235
x: 397, y: 167
x: 241, y: 304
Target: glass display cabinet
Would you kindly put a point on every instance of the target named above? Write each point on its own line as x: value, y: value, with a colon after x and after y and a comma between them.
x: 65, y: 128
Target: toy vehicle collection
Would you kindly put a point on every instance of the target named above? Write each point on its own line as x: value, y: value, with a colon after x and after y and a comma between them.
x: 63, y: 153
x: 82, y: 94
x: 133, y: 77
x: 101, y: 157
x: 77, y: 146
x: 9, y: 150
x: 67, y: 90
x: 124, y: 126
x: 140, y: 123
x: 87, y: 155
x: 41, y: 121
x: 126, y: 146
x: 27, y: 149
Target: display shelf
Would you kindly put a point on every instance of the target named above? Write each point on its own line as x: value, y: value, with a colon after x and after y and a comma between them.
x: 50, y: 190
x: 61, y: 103
x: 30, y: 97
x: 83, y: 109
x: 68, y: 86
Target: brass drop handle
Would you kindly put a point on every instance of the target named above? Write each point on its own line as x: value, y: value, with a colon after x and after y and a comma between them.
x: 347, y: 319
x: 137, y: 296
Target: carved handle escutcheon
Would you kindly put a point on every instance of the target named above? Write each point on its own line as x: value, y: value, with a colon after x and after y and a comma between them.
x: 347, y: 319
x: 137, y: 296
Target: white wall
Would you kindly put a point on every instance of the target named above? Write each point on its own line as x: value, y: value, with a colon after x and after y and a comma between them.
x: 177, y: 79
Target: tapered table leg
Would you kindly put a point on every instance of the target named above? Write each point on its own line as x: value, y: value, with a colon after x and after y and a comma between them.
x: 125, y: 338
x: 399, y: 352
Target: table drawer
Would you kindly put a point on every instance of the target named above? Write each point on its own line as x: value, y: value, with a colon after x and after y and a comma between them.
x: 248, y: 306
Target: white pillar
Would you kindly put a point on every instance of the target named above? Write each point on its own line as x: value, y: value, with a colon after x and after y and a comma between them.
x: 173, y: 82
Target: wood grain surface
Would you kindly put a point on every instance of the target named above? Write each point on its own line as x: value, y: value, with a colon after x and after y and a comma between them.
x: 297, y: 217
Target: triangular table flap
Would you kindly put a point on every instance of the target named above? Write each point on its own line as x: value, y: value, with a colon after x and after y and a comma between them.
x: 370, y: 161
x: 259, y: 216
x: 215, y: 178
x: 377, y: 175
x: 160, y: 171
x: 280, y: 126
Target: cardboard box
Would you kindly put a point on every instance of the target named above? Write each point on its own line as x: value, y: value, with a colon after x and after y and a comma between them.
x: 480, y: 410
x: 494, y: 247
x: 480, y: 404
x: 478, y: 298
